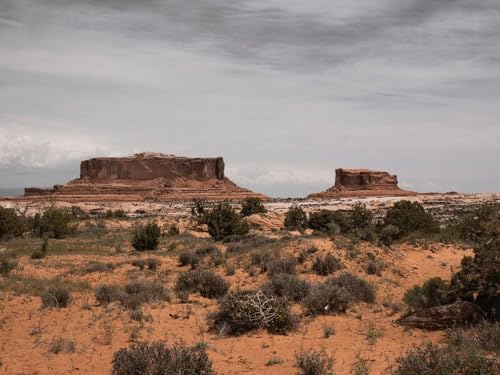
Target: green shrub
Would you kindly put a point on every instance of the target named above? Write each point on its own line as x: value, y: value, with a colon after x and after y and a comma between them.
x: 313, y: 363
x: 57, y: 296
x: 158, y: 359
x: 389, y: 234
x: 243, y: 311
x: 288, y: 286
x: 360, y: 216
x: 223, y: 221
x: 133, y: 294
x: 410, y: 217
x: 338, y: 294
x: 478, y: 225
x: 323, y: 221
x: 151, y: 263
x: 98, y: 267
x: 206, y: 250
x: 207, y: 283
x: 11, y: 225
x: 252, y: 206
x: 326, y: 265
x: 434, y: 292
x: 53, y: 223
x: 295, y: 218
x: 146, y: 237
x: 282, y: 265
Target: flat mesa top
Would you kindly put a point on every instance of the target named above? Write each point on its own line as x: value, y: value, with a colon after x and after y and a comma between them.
x: 153, y: 155
x: 359, y: 170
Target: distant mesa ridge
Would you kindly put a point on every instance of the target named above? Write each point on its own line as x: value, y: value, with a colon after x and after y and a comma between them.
x: 362, y: 182
x: 147, y: 176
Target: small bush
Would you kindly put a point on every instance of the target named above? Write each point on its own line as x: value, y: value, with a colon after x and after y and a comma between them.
x: 295, y: 218
x: 288, y: 286
x: 282, y: 265
x: 243, y: 311
x: 57, y: 296
x: 338, y: 294
x: 98, y: 267
x: 138, y: 292
x: 252, y: 206
x: 53, y: 223
x: 223, y: 221
x: 323, y: 221
x: 62, y: 345
x: 189, y: 258
x: 446, y: 360
x: 11, y: 225
x: 434, y: 292
x: 207, y: 283
x: 206, y: 250
x: 173, y: 230
x: 389, y: 234
x: 151, y: 263
x: 158, y: 359
x: 484, y: 336
x: 7, y: 265
x: 360, y: 216
x: 477, y: 226
x: 262, y: 258
x: 327, y: 265
x: 107, y: 293
x: 410, y: 217
x: 146, y: 237
x: 313, y: 363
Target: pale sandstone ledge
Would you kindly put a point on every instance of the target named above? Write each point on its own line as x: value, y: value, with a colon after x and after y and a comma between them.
x: 363, y: 183
x: 146, y: 176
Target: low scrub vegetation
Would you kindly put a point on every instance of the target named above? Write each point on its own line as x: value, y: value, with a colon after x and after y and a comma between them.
x: 7, y: 262
x: 434, y: 292
x: 133, y: 294
x: 338, y: 294
x: 189, y: 258
x: 282, y: 265
x: 158, y: 359
x: 243, y: 311
x: 252, y: 206
x: 314, y: 363
x: 223, y: 221
x: 146, y: 236
x: 326, y: 265
x: 11, y: 225
x: 56, y: 296
x: 410, y: 217
x: 206, y: 283
x: 149, y: 263
x: 295, y: 219
x: 288, y: 286
x: 53, y: 223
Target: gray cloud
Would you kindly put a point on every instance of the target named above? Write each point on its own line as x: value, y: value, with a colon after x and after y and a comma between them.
x: 286, y: 90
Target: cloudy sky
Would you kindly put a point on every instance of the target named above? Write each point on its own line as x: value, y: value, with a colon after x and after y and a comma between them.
x: 285, y: 90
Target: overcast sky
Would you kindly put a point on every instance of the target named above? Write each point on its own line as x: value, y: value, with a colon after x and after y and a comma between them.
x: 285, y: 90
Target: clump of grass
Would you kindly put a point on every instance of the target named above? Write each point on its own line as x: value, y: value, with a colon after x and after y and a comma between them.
x: 244, y: 311
x: 133, y: 294
x: 207, y: 283
x: 274, y: 361
x: 361, y: 367
x: 188, y: 258
x: 281, y: 266
x: 158, y: 359
x: 57, y: 296
x: 289, y: 286
x: 338, y: 294
x: 328, y: 330
x: 61, y: 345
x: 311, y: 362
x: 98, y: 267
x: 327, y: 265
x: 149, y: 263
x: 372, y: 333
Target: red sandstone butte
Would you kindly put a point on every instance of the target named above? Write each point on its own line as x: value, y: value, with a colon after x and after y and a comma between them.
x: 147, y: 176
x: 362, y: 183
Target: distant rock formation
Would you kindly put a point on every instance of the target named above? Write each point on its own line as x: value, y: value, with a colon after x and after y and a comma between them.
x: 362, y: 183
x: 149, y: 176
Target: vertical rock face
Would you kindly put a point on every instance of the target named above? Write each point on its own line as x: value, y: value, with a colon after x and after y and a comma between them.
x: 362, y: 182
x: 148, y: 176
x: 151, y: 166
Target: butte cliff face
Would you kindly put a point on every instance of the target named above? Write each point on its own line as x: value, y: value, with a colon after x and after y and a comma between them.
x: 362, y: 183
x: 147, y: 176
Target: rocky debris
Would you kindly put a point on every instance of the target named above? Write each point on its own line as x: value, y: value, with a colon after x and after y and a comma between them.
x: 266, y: 221
x: 460, y: 313
x: 362, y: 183
x: 147, y: 176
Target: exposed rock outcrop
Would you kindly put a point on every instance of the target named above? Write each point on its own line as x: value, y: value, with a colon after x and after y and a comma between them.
x: 147, y: 176
x: 362, y: 182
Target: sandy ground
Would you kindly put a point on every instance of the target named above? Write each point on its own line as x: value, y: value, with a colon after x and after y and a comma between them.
x: 27, y: 331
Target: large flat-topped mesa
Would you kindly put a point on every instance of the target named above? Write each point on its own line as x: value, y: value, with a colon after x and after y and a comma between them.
x: 147, y: 176
x: 362, y: 182
x: 148, y: 166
